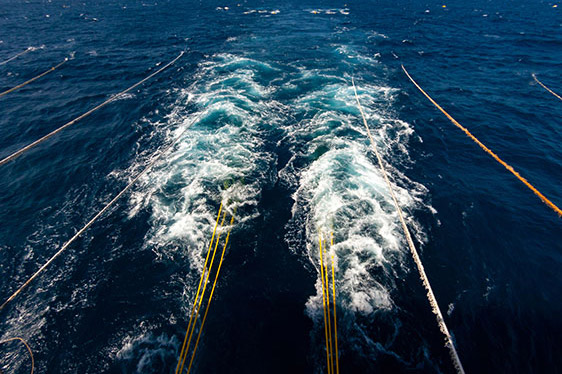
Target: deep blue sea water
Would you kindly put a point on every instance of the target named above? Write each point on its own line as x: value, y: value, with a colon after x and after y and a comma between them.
x: 265, y: 108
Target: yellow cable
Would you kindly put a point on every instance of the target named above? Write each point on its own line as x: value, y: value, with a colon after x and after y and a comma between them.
x: 202, y: 294
x: 335, y: 316
x: 329, y: 313
x: 211, y: 295
x: 545, y: 87
x: 199, y: 288
x: 508, y: 167
x: 26, y: 346
x: 430, y: 295
x: 34, y: 78
x: 324, y: 305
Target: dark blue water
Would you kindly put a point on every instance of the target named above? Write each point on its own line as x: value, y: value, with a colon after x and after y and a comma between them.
x: 264, y: 105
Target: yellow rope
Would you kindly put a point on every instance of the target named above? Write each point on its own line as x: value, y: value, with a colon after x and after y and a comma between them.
x: 34, y: 78
x: 335, y: 315
x: 508, y: 167
x: 324, y: 304
x: 329, y: 313
x: 198, y: 289
x: 29, y: 49
x: 211, y: 295
x: 202, y: 295
x: 112, y: 98
x: 26, y: 346
x: 431, y: 297
x: 545, y: 87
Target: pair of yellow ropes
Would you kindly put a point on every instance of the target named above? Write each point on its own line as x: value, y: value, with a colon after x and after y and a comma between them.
x: 331, y: 341
x: 201, y: 293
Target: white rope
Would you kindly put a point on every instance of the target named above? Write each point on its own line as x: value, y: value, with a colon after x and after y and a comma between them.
x: 98, y: 215
x: 112, y: 98
x: 29, y: 49
x: 34, y: 78
x: 430, y: 296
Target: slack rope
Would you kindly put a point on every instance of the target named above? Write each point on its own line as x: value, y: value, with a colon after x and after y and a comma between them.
x: 94, y: 219
x: 26, y: 346
x: 112, y: 98
x: 211, y: 295
x: 430, y: 295
x: 545, y: 87
x: 550, y: 204
x: 34, y: 78
x: 29, y: 49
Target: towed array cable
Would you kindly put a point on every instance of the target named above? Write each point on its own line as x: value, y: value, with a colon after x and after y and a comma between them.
x: 26, y: 346
x: 199, y: 296
x: 182, y: 351
x: 199, y: 300
x: 545, y: 87
x: 335, y: 315
x: 550, y: 204
x: 210, y: 296
x: 34, y: 78
x: 29, y: 49
x: 331, y: 340
x: 112, y: 98
x: 95, y: 218
x: 431, y: 297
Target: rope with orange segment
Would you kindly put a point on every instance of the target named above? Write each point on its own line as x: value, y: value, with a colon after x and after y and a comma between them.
x: 549, y: 203
x: 34, y: 78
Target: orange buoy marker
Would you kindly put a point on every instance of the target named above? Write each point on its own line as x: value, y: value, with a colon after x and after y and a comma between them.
x: 34, y: 78
x: 549, y: 203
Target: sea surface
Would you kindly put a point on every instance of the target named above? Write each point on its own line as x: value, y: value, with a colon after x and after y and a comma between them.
x: 263, y: 106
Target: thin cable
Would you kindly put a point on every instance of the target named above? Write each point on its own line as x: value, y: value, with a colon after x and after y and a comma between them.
x: 29, y: 49
x: 496, y: 157
x: 26, y: 346
x: 98, y: 215
x: 335, y: 315
x: 329, y: 311
x: 545, y: 87
x: 431, y: 297
x: 324, y: 305
x: 34, y: 78
x: 211, y: 295
x: 112, y: 98
x: 202, y: 295
x: 198, y: 289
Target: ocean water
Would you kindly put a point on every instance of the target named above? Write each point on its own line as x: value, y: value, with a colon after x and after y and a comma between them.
x: 264, y: 110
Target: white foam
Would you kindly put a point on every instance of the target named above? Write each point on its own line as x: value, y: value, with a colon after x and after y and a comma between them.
x: 341, y: 189
x: 226, y: 110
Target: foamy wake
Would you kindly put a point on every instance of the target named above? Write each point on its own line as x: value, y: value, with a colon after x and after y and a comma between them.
x: 219, y: 158
x: 339, y: 188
